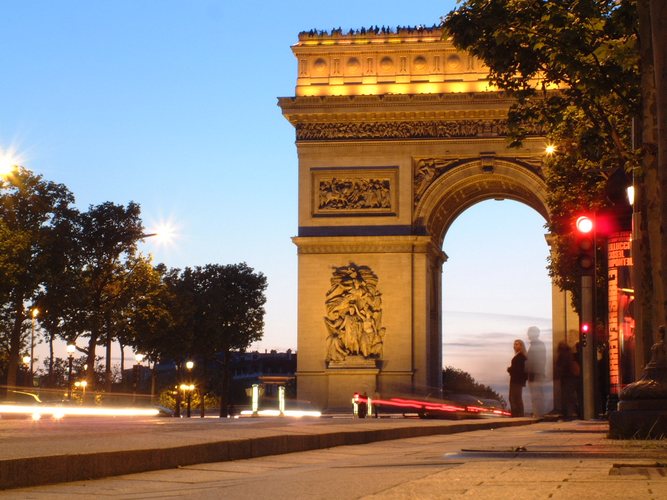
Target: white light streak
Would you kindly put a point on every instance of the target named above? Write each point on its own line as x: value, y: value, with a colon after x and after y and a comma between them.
x: 59, y: 412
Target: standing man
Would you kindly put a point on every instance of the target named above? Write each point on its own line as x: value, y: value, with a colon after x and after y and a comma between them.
x: 535, y: 369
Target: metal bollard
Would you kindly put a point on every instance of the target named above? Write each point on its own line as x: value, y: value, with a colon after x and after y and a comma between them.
x: 281, y: 399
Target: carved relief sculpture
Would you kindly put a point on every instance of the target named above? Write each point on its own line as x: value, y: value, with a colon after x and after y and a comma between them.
x: 356, y: 193
x: 426, y: 171
x: 354, y: 314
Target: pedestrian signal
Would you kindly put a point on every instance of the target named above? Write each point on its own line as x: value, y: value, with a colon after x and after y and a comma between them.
x: 584, y: 329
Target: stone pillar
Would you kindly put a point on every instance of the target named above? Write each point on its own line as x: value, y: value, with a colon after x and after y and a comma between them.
x: 406, y: 270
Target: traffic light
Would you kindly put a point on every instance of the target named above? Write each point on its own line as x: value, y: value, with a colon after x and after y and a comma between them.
x: 584, y: 330
x: 585, y: 244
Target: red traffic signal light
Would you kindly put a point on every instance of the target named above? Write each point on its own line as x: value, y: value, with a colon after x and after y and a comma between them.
x: 585, y: 244
x: 585, y: 327
x: 584, y: 224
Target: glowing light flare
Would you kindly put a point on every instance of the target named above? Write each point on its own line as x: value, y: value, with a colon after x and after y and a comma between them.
x: 550, y: 149
x: 59, y: 412
x: 584, y: 224
x: 9, y: 160
x: 286, y: 413
x: 163, y: 233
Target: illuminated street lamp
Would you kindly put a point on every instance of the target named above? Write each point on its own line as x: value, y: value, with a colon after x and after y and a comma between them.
x: 189, y: 365
x: 70, y: 357
x: 139, y: 358
x: 188, y: 388
x: 82, y: 384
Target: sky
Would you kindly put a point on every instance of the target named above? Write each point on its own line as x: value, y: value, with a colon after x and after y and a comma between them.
x: 173, y: 104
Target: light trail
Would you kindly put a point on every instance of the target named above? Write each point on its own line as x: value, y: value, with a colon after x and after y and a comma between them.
x: 59, y: 412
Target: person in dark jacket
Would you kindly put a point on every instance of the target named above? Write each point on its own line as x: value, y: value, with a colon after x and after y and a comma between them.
x: 517, y: 371
x: 567, y: 371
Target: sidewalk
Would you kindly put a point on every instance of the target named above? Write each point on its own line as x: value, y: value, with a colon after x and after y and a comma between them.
x: 508, y: 458
x: 47, y: 451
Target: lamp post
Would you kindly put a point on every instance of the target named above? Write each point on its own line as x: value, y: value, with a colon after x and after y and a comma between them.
x: 139, y: 358
x: 189, y: 365
x: 70, y: 356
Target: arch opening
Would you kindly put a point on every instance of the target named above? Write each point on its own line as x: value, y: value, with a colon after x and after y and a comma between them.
x: 495, y: 286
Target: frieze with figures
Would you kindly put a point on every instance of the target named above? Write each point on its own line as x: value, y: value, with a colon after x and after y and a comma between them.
x: 401, y: 130
x: 354, y: 191
x: 354, y: 194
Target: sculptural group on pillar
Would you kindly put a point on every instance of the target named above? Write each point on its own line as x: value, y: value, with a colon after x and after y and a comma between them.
x: 354, y: 314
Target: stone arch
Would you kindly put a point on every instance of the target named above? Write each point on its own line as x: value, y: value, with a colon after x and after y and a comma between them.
x: 467, y: 182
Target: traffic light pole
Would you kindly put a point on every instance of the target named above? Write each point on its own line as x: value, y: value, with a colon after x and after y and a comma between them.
x: 587, y: 348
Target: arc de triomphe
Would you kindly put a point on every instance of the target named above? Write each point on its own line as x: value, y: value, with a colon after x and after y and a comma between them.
x: 397, y: 133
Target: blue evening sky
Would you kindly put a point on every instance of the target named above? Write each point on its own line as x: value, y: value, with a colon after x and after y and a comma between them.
x: 172, y: 104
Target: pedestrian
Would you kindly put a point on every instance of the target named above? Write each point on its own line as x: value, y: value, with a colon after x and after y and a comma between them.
x: 535, y: 368
x: 517, y: 371
x: 567, y: 371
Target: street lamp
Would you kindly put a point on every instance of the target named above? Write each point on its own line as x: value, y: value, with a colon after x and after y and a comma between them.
x: 82, y: 384
x: 139, y: 358
x: 70, y: 356
x: 189, y: 365
x: 188, y: 388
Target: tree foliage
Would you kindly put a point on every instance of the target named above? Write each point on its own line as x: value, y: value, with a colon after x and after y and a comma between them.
x: 32, y: 210
x: 201, y: 313
x: 457, y: 381
x: 573, y: 68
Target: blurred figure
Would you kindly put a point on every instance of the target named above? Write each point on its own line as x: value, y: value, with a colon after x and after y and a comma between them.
x: 517, y: 371
x: 567, y: 370
x: 535, y: 369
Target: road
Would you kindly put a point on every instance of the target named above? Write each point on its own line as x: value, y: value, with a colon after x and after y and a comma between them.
x: 545, y: 460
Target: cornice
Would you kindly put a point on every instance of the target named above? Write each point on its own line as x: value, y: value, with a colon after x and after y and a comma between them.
x: 367, y: 244
x: 305, y: 104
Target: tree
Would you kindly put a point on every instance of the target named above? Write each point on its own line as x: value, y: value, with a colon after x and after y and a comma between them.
x: 589, y: 49
x: 106, y: 239
x: 204, y: 313
x: 31, y: 209
x: 457, y: 381
x: 230, y: 302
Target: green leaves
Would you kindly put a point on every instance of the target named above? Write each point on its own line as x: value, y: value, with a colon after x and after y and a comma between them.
x: 586, y: 48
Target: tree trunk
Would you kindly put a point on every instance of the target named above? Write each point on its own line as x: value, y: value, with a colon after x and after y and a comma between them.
x: 108, y: 379
x: 122, y: 364
x: 90, y: 358
x: 649, y: 288
x: 15, y: 343
x: 224, y: 386
x: 658, y: 15
x: 50, y: 377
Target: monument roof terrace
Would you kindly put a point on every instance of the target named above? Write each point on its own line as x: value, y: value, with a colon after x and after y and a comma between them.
x: 382, y: 61
x: 374, y: 34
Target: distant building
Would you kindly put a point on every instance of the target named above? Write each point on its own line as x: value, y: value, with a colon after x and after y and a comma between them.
x: 269, y: 369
